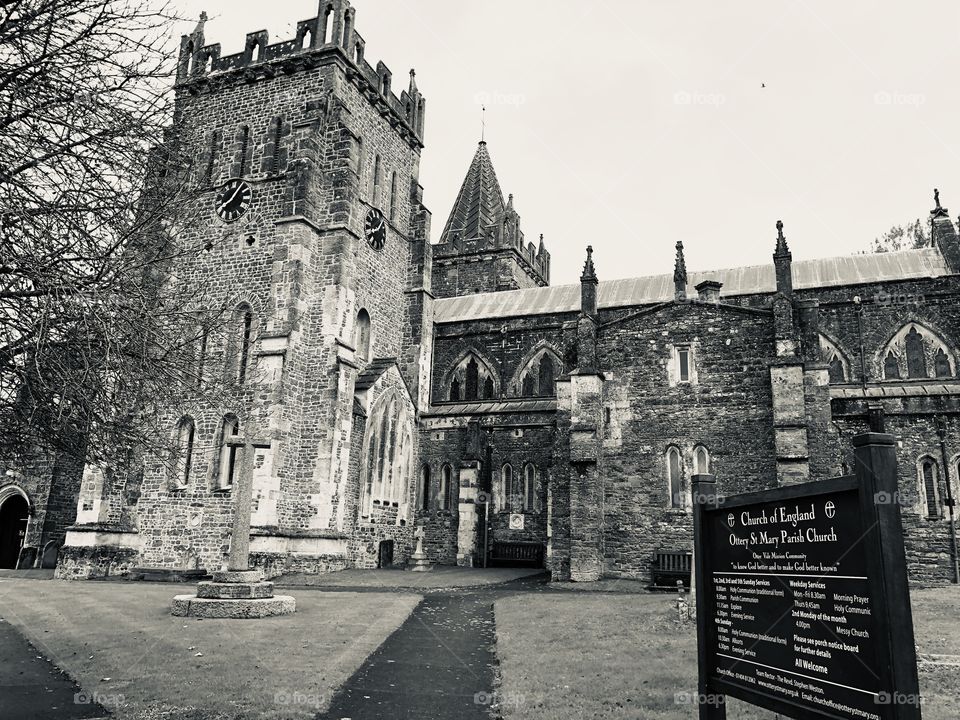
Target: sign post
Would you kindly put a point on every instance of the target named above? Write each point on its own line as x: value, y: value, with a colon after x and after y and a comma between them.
x: 802, y: 604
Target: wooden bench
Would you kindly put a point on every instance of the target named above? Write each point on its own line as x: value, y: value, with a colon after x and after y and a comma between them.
x: 670, y: 566
x: 515, y: 554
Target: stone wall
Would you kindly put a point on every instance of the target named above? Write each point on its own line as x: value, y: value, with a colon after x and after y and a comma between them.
x: 647, y: 410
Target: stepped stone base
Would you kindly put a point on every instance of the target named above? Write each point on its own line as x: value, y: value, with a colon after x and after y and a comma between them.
x: 234, y: 594
x: 234, y: 591
x: 237, y: 576
x: 419, y: 564
x: 193, y: 606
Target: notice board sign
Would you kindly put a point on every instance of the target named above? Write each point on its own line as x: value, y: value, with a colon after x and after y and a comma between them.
x: 802, y: 598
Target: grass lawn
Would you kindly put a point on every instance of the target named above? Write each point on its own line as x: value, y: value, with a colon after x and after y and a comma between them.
x: 119, y: 639
x: 623, y: 656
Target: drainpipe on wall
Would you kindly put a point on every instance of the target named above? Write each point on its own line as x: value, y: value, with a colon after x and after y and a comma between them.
x: 942, y: 434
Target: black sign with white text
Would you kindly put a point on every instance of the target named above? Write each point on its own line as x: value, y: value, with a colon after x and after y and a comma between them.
x: 791, y: 607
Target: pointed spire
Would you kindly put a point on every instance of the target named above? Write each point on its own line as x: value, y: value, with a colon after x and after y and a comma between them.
x: 413, y: 82
x: 782, y: 248
x: 938, y: 211
x: 480, y: 201
x: 680, y: 273
x: 198, y: 30
x: 589, y: 272
x: 541, y: 247
x: 783, y: 263
x: 588, y: 286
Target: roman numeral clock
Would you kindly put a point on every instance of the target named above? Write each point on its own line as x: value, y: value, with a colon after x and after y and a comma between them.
x: 233, y: 199
x: 375, y: 229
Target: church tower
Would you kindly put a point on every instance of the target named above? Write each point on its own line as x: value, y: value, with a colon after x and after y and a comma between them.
x: 306, y: 200
x: 482, y: 247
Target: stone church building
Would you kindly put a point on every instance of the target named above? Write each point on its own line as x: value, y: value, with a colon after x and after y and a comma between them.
x: 388, y: 383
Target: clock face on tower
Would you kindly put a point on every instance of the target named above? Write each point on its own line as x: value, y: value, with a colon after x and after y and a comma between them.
x: 233, y: 199
x: 375, y: 229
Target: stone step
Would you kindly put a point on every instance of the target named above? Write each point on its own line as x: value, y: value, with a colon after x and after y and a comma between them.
x: 207, y: 589
x: 237, y: 576
x: 192, y: 606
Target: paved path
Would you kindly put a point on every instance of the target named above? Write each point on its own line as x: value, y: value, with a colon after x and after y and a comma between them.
x: 440, y: 577
x: 31, y: 688
x: 439, y: 665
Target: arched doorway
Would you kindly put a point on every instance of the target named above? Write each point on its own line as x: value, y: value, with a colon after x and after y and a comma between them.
x: 13, y: 529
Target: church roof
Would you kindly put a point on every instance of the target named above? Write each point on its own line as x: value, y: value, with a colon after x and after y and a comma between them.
x: 754, y: 279
x: 480, y: 201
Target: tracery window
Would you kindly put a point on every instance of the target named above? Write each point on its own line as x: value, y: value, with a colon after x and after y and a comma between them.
x: 471, y: 379
x: 387, y: 455
x: 538, y: 378
x: 917, y: 352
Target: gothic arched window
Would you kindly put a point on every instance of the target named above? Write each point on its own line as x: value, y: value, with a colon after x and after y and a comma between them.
x: 388, y: 455
x: 184, y: 457
x: 891, y: 367
x: 916, y: 357
x: 836, y: 370
x: 361, y: 335
x: 675, y: 477
x: 547, y: 377
x: 701, y: 460
x: 537, y: 376
x: 928, y: 487
x: 526, y: 387
x: 424, y: 487
x: 473, y: 380
x: 243, y: 337
x: 529, y: 487
x: 504, y: 499
x: 487, y: 389
x: 941, y: 365
x: 446, y: 488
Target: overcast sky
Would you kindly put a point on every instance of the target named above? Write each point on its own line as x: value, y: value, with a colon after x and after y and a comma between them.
x: 630, y: 125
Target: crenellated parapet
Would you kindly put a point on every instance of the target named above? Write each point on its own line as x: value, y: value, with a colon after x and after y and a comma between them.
x: 332, y: 33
